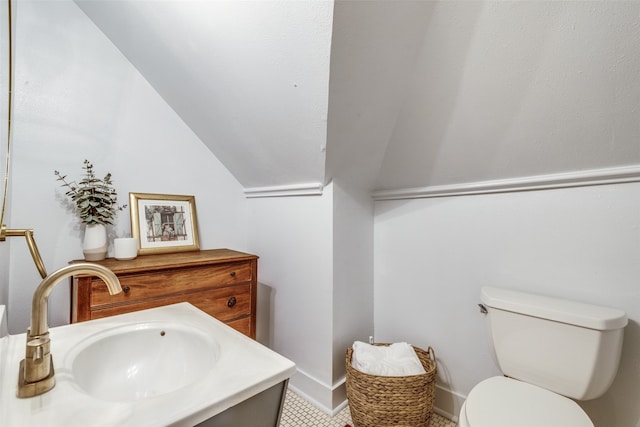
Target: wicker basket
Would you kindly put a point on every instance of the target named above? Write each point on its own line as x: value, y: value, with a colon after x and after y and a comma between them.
x: 382, y: 401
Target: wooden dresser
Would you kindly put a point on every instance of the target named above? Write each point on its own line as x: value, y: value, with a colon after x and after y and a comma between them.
x: 221, y: 282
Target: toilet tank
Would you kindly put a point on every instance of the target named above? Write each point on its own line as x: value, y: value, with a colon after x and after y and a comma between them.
x: 564, y: 346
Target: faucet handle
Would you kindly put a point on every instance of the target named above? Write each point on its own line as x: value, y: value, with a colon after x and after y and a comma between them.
x: 36, y: 375
x: 36, y: 348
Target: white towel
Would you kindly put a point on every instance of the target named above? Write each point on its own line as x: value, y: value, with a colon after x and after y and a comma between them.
x: 395, y: 360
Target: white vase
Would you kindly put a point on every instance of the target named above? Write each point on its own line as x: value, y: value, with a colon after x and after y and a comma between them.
x: 94, y: 245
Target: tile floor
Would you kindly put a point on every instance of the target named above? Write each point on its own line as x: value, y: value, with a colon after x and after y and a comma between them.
x: 298, y: 412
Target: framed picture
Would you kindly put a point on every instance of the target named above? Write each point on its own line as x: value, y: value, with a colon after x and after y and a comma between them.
x: 164, y: 223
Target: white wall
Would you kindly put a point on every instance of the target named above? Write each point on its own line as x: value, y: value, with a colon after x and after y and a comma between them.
x: 77, y: 97
x: 293, y: 237
x: 353, y: 271
x: 432, y: 256
x: 352, y: 277
x: 316, y: 283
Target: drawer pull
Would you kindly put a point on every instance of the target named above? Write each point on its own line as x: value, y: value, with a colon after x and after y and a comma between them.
x: 126, y: 289
x: 232, y: 301
x: 233, y: 274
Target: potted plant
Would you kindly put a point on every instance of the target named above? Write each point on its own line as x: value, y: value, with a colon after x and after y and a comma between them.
x: 96, y: 203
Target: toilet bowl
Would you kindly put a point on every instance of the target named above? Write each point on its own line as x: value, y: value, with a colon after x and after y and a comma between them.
x: 551, y: 351
x: 506, y: 402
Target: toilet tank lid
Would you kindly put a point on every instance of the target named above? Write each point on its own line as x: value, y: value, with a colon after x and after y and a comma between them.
x: 559, y: 310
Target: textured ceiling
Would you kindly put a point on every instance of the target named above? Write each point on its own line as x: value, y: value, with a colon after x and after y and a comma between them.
x: 511, y: 89
x: 396, y: 94
x: 250, y: 78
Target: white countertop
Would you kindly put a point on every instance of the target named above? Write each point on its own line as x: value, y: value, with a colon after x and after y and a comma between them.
x: 244, y: 368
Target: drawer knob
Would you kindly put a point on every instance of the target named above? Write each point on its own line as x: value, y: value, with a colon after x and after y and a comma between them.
x: 232, y: 301
x: 233, y: 274
x: 126, y: 289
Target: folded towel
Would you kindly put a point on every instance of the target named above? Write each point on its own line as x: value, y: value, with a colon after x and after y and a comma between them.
x: 395, y: 360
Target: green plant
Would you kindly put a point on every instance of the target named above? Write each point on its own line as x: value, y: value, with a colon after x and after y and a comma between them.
x: 95, y: 199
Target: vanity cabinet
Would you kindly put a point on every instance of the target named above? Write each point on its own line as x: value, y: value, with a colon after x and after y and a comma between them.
x: 220, y: 282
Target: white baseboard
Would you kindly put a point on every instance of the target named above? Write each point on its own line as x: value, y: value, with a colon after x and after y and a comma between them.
x: 333, y: 399
x: 330, y: 399
x: 448, y: 403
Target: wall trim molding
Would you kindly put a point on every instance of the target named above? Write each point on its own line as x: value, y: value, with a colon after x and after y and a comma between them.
x: 583, y: 178
x: 308, y: 189
x: 448, y: 403
x: 330, y: 399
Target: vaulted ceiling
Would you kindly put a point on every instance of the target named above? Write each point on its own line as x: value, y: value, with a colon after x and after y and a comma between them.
x: 395, y: 94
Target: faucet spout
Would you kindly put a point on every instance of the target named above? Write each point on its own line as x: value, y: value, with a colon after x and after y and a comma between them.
x: 36, y: 369
x: 41, y: 294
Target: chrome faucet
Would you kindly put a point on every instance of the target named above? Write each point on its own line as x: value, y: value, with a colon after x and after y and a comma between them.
x: 36, y: 369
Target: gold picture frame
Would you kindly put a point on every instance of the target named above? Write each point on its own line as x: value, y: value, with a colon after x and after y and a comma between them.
x: 164, y: 223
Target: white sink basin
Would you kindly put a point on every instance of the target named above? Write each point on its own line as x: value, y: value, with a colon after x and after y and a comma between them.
x: 142, y: 360
x: 121, y: 371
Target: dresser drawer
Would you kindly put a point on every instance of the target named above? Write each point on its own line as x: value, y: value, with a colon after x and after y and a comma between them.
x: 138, y: 287
x: 242, y: 325
x: 224, y: 304
x: 221, y: 282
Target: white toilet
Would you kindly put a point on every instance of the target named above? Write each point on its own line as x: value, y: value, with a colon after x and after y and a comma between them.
x: 550, y: 351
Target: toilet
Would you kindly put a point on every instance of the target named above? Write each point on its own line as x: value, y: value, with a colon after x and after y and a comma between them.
x: 551, y: 351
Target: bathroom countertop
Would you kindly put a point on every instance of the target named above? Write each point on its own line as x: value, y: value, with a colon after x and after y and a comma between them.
x: 243, y: 369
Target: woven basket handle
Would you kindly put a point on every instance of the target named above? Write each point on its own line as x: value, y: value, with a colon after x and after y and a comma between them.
x: 432, y: 354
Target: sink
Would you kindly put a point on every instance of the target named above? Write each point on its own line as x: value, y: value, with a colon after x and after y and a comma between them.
x: 141, y: 361
x: 167, y: 366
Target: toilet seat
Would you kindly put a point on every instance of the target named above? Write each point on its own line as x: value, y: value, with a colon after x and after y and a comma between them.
x: 506, y: 402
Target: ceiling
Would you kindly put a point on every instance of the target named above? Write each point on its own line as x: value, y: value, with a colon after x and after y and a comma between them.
x: 392, y: 95
x: 250, y: 78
